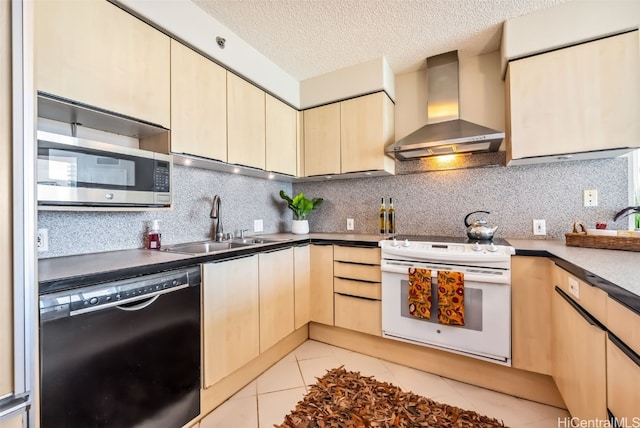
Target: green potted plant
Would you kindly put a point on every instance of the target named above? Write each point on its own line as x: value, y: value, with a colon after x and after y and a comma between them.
x: 301, y: 208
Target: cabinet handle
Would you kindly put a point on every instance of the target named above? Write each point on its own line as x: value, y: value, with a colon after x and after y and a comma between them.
x: 232, y: 258
x: 624, y: 348
x: 355, y: 263
x: 357, y: 280
x: 357, y: 245
x: 586, y: 315
x: 358, y: 297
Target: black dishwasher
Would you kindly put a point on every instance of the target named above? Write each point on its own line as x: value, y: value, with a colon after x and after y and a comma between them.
x: 122, y: 354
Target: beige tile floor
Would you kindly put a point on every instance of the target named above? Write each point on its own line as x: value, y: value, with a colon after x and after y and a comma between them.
x: 266, y: 400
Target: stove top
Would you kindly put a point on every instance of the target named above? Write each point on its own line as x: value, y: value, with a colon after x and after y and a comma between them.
x: 449, y: 239
x: 496, y: 253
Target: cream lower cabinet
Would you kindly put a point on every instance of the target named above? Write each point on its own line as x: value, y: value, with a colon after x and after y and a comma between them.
x: 321, y: 283
x: 578, y: 99
x: 276, y: 281
x: 245, y: 123
x: 531, y: 281
x: 302, y: 287
x: 198, y: 104
x: 231, y: 321
x: 623, y: 382
x: 578, y: 358
x: 94, y: 52
x: 14, y: 422
x: 357, y: 289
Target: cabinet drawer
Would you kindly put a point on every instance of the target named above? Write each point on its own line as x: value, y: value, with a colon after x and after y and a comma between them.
x: 355, y: 271
x: 370, y: 290
x: 623, y: 389
x: 357, y: 255
x: 624, y: 323
x: 591, y: 298
x: 358, y: 314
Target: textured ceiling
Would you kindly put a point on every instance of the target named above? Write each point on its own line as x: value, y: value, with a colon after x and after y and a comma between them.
x: 307, y: 38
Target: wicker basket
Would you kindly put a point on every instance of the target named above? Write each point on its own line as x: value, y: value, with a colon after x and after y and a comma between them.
x: 582, y: 239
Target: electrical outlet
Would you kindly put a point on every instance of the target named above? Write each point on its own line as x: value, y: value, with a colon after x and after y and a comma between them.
x: 539, y: 227
x: 349, y: 224
x: 591, y: 198
x: 42, y: 240
x: 574, y: 288
x: 258, y: 226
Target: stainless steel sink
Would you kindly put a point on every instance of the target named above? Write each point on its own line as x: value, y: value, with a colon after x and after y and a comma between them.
x: 257, y: 241
x: 205, y: 247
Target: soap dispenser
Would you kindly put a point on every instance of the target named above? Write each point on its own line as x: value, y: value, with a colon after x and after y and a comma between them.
x: 153, y: 241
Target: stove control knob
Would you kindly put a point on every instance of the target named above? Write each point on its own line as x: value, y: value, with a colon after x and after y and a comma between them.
x: 394, y: 243
x: 406, y: 243
x: 476, y: 247
x: 492, y: 248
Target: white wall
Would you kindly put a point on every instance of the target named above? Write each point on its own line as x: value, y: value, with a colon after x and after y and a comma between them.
x: 481, y: 95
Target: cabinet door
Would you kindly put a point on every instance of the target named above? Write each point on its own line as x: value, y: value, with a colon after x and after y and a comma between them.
x: 366, y: 128
x: 578, y: 359
x: 281, y: 137
x: 198, y: 104
x: 531, y: 281
x: 322, y: 284
x: 623, y: 388
x: 14, y: 422
x: 322, y: 140
x: 577, y: 99
x: 93, y: 52
x: 231, y: 329
x: 245, y: 123
x: 6, y: 207
x: 356, y: 313
x: 276, y: 296
x: 302, y: 292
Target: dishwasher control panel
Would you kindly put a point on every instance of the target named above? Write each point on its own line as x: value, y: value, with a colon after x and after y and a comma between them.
x: 122, y: 292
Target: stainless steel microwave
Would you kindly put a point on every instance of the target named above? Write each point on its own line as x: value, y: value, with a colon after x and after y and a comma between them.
x: 77, y: 172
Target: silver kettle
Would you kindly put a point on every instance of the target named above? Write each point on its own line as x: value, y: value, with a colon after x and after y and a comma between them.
x: 479, y: 229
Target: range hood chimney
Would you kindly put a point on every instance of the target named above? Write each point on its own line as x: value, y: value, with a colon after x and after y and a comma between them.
x: 445, y: 133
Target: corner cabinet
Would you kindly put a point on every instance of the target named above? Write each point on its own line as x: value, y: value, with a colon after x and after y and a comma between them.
x: 321, y: 283
x: 93, y: 52
x: 302, y: 287
x: 582, y: 98
x: 245, y: 123
x: 276, y: 296
x: 231, y: 321
x: 281, y: 137
x: 198, y: 104
x: 349, y: 136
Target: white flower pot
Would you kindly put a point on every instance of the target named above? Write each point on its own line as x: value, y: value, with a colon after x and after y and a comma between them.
x: 300, y: 227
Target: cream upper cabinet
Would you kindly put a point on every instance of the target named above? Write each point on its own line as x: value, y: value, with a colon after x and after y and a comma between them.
x: 577, y: 99
x: 198, y: 104
x: 6, y: 207
x: 366, y: 129
x: 276, y: 296
x: 281, y: 137
x: 322, y: 283
x: 245, y: 123
x: 93, y: 52
x: 231, y: 322
x: 302, y: 281
x: 578, y: 359
x: 322, y: 140
x: 531, y: 280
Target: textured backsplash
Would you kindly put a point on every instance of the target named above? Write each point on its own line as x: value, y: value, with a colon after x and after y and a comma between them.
x: 435, y: 203
x: 427, y: 203
x: 244, y: 199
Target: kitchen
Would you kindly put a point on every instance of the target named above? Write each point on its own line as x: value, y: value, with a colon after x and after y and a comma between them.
x: 246, y: 199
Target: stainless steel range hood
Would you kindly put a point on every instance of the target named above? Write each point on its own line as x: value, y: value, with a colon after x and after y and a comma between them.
x: 445, y: 132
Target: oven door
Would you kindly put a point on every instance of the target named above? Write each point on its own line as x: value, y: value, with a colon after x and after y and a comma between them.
x: 487, y: 305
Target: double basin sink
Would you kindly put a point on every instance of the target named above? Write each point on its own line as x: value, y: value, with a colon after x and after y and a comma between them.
x: 205, y: 247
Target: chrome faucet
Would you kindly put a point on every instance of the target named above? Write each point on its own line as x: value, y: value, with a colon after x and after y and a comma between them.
x: 215, y: 214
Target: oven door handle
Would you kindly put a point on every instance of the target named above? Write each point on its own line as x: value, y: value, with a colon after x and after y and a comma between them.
x: 502, y: 278
x: 139, y: 306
